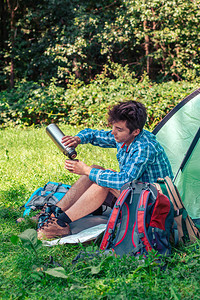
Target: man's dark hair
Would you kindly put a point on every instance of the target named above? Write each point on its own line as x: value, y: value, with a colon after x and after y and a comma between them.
x: 133, y: 112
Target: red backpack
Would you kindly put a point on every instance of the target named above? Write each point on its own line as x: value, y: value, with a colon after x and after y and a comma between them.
x: 141, y: 220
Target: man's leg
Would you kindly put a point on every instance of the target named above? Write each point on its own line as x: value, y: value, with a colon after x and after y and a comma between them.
x: 83, y: 198
x: 76, y: 191
x: 88, y: 202
x: 58, y: 226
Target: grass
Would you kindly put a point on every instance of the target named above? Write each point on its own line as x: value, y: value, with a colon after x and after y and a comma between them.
x: 29, y: 159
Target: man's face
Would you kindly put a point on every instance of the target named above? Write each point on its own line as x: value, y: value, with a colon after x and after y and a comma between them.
x: 122, y: 133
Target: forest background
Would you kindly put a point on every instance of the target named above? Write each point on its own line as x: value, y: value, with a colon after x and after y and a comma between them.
x: 70, y: 60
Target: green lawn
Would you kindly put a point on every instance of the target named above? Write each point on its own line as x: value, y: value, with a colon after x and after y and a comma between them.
x: 29, y: 159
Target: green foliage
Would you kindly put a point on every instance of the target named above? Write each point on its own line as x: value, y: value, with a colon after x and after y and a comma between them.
x: 32, y: 104
x: 29, y: 104
x: 58, y: 39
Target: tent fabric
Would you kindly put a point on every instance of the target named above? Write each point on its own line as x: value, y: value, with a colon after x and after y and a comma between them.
x: 176, y: 133
x: 188, y: 183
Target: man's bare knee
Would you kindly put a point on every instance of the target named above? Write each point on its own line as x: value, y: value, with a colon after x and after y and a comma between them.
x: 97, y: 167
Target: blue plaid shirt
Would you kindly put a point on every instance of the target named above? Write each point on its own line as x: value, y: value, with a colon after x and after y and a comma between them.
x: 144, y: 159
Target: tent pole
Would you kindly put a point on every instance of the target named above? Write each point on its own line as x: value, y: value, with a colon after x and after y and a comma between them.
x: 189, y: 152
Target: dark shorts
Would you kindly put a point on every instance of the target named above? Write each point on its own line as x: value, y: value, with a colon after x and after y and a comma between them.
x: 110, y: 200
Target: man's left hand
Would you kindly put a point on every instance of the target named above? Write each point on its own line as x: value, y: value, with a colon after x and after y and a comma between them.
x: 77, y: 167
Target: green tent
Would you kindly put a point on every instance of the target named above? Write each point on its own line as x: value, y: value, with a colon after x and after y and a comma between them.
x: 179, y: 134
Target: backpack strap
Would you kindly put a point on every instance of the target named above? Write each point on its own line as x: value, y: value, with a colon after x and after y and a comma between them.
x: 55, y: 188
x: 51, y: 187
x: 40, y: 200
x: 140, y: 219
x: 173, y: 193
x: 158, y: 187
x: 175, y: 233
x: 113, y: 219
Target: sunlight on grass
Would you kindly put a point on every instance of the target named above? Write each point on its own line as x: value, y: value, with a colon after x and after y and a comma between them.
x: 29, y: 159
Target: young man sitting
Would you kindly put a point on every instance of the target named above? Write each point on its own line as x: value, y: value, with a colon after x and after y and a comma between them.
x: 139, y: 155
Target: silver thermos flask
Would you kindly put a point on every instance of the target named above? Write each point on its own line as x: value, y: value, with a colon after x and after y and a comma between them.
x: 56, y: 135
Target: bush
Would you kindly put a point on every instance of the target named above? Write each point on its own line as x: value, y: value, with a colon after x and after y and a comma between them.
x: 81, y: 104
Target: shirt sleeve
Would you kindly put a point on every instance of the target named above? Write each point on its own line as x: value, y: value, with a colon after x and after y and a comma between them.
x: 136, y: 163
x: 99, y: 138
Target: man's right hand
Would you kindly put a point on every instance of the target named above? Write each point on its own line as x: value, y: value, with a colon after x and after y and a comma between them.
x: 71, y: 141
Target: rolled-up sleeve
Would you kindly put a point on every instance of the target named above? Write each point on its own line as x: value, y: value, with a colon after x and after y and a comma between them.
x: 99, y: 138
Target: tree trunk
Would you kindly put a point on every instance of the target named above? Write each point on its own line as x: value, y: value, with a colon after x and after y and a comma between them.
x: 12, y: 7
x: 146, y: 47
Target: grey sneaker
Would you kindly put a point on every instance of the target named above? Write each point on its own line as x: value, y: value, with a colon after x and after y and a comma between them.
x: 53, y: 228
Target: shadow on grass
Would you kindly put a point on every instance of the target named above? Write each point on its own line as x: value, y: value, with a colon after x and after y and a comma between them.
x: 10, y: 203
x: 14, y: 197
x: 8, y: 213
x: 9, y: 224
